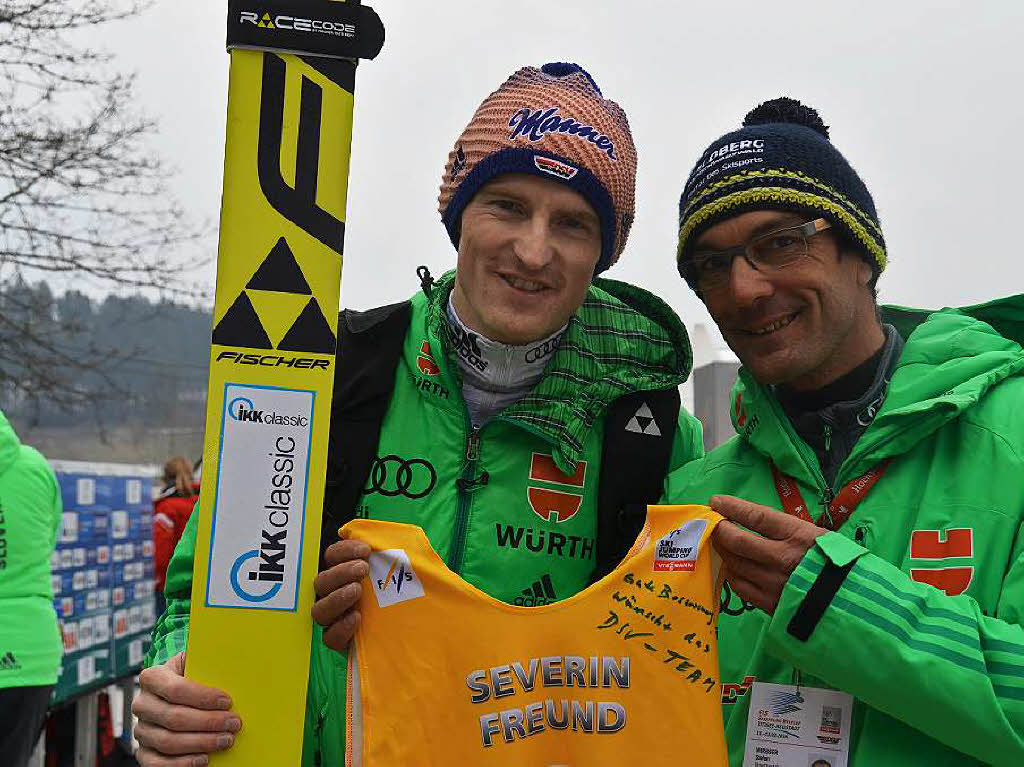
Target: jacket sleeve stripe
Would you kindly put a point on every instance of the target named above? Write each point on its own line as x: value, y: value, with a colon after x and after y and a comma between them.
x: 1008, y: 693
x: 904, y: 652
x: 1006, y: 669
x: 933, y: 612
x: 869, y: 616
x: 918, y: 618
x: 998, y: 645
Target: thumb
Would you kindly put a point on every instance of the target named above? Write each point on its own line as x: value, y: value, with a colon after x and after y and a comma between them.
x: 177, y: 664
x: 763, y: 520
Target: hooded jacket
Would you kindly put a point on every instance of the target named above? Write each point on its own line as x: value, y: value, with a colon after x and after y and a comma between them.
x: 925, y: 629
x: 510, y: 507
x: 171, y: 512
x: 30, y: 514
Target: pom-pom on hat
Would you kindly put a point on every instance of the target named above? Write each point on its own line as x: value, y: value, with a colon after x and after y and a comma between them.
x: 551, y: 122
x: 781, y: 159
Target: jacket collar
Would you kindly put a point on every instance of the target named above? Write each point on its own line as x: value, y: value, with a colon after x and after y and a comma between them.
x: 950, y: 362
x: 621, y: 340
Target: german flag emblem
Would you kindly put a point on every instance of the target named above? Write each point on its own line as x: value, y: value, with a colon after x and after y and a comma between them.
x: 425, y: 360
x: 554, y: 496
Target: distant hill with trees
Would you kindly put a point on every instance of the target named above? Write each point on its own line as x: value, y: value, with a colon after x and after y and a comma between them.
x: 121, y: 378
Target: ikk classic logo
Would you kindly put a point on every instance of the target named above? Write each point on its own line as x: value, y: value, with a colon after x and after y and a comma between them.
x: 259, y: 506
x: 393, y: 578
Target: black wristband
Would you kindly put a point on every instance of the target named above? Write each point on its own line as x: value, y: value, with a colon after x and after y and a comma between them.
x: 818, y: 598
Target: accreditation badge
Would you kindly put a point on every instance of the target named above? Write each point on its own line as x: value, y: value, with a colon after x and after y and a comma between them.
x: 791, y: 726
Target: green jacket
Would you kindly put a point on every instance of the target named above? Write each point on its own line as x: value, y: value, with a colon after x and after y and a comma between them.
x: 30, y: 513
x: 503, y: 534
x: 936, y: 674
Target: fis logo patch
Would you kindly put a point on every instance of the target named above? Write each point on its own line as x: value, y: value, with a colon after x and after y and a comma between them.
x: 555, y: 168
x: 393, y: 578
x: 678, y: 551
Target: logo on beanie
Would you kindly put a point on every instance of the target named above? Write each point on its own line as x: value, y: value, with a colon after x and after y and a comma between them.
x: 459, y: 162
x: 555, y: 168
x: 533, y: 124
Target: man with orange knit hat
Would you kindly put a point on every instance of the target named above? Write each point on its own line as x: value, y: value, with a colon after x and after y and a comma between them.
x: 519, y: 409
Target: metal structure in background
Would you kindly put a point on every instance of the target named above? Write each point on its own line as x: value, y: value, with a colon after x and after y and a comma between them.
x: 711, y: 386
x: 714, y: 373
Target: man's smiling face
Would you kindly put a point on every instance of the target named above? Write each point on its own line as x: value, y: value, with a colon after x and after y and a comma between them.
x: 800, y: 326
x: 528, y: 248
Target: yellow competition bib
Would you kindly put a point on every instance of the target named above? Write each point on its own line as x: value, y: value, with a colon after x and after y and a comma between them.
x: 443, y: 674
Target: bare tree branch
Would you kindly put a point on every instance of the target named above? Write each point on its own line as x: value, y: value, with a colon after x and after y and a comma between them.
x: 80, y: 193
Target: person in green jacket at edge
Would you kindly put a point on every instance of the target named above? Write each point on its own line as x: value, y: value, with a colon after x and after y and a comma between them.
x: 492, y: 441
x: 876, y: 482
x: 30, y: 644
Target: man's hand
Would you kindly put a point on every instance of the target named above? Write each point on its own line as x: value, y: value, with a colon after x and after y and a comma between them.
x: 338, y: 589
x: 181, y: 721
x: 758, y: 564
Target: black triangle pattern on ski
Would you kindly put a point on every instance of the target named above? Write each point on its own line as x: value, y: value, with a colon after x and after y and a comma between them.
x: 280, y: 272
x: 309, y: 333
x: 241, y: 326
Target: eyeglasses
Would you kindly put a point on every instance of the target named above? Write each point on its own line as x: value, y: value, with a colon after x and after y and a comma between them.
x: 709, y: 270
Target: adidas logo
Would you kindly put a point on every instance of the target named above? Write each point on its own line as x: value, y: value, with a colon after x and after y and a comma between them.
x: 278, y: 294
x: 643, y: 422
x: 542, y: 592
x: 9, y: 662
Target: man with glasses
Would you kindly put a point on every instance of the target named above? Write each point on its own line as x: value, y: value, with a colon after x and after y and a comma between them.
x: 875, y: 560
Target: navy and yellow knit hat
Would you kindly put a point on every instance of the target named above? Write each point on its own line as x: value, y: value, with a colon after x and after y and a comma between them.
x: 781, y: 159
x: 551, y: 122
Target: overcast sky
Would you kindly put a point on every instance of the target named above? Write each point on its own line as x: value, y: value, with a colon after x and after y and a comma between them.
x: 924, y: 99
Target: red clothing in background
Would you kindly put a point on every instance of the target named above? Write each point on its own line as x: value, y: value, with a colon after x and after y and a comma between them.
x: 170, y: 514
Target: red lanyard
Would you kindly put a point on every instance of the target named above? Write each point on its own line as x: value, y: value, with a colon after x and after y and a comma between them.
x: 839, y: 509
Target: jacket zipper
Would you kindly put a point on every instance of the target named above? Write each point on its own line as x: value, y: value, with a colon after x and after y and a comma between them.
x: 827, y: 496
x: 860, y: 534
x: 466, y: 483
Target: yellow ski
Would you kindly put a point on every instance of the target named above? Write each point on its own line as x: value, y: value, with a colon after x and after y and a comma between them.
x: 289, y: 132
